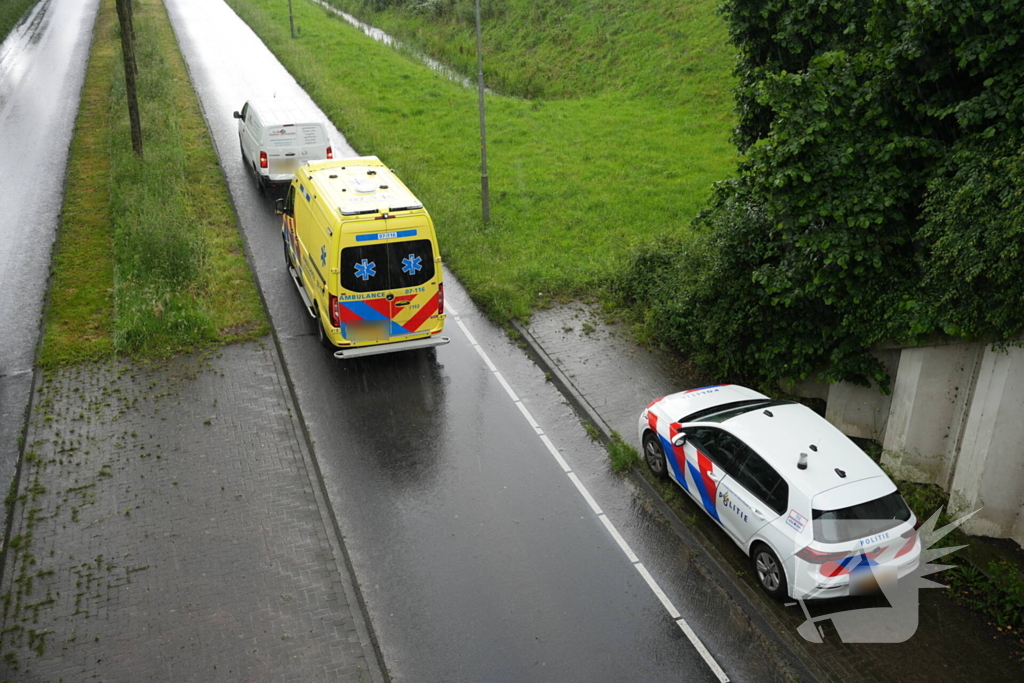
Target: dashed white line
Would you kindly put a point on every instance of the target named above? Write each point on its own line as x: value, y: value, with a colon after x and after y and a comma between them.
x: 619, y: 540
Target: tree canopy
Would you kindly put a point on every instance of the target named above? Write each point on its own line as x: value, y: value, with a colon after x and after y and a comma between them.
x: 879, y: 196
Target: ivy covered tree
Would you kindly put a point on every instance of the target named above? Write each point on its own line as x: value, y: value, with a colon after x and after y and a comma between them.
x: 879, y: 194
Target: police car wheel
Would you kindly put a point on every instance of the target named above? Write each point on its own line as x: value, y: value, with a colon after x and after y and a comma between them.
x: 654, y: 456
x: 771, y: 575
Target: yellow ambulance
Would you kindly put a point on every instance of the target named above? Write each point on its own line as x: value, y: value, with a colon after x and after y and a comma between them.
x: 362, y: 251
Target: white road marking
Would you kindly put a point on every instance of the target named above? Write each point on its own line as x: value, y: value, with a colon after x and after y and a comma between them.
x: 619, y: 540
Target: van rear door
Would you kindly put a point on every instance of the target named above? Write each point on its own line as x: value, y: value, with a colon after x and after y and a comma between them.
x: 389, y: 282
x: 290, y: 145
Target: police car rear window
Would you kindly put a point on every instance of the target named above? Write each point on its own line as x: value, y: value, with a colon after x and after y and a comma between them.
x: 383, y: 266
x: 861, y: 520
x: 726, y: 411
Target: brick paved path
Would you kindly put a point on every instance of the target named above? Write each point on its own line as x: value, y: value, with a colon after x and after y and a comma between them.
x: 170, y: 528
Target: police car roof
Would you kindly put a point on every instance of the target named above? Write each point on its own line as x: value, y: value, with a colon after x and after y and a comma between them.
x: 834, y: 462
x: 361, y: 185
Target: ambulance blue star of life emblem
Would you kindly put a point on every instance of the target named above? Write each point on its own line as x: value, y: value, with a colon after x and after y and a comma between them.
x: 412, y: 264
x: 323, y: 256
x: 366, y: 269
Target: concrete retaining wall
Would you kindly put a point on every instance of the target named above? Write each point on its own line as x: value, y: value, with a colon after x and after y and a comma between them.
x: 955, y: 418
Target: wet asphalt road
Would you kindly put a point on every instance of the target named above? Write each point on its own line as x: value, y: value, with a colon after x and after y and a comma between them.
x: 42, y: 65
x: 477, y: 557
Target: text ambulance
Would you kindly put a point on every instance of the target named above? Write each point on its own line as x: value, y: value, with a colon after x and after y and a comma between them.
x: 363, y: 253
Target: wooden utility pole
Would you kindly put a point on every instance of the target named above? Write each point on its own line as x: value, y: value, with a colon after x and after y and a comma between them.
x: 485, y: 192
x: 124, y: 16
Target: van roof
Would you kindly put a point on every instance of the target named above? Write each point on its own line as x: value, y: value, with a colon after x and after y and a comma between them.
x: 360, y: 185
x: 274, y: 111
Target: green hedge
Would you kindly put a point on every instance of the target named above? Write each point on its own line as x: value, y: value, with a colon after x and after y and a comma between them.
x: 879, y: 194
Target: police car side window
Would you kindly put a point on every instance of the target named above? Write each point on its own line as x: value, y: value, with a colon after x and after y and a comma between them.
x: 761, y: 479
x: 715, y: 444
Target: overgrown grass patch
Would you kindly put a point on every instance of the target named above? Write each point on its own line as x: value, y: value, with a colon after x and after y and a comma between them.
x: 575, y: 182
x: 624, y: 457
x: 79, y: 319
x: 149, y: 260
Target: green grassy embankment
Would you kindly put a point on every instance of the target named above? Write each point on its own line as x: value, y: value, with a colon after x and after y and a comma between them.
x: 11, y: 12
x: 148, y: 261
x: 575, y: 181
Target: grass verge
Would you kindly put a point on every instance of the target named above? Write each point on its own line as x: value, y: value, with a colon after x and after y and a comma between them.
x: 11, y: 12
x: 149, y: 261
x: 575, y: 182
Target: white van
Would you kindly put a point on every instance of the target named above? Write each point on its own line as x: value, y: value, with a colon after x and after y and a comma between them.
x: 277, y: 136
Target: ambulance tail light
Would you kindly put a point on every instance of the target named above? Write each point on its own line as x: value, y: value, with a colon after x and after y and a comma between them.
x: 813, y: 556
x: 440, y: 299
x: 330, y: 152
x: 263, y: 160
x: 333, y: 311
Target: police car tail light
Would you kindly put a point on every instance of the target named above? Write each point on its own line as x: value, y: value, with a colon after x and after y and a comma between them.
x: 440, y: 299
x: 333, y: 310
x: 263, y: 160
x: 813, y: 556
x: 330, y: 152
x: 911, y: 537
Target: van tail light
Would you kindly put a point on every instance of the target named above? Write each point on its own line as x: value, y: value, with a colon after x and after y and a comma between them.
x: 263, y: 160
x: 440, y: 299
x: 330, y: 152
x: 333, y: 311
x: 813, y: 556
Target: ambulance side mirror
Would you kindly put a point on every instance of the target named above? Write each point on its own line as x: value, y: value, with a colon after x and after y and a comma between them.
x: 238, y: 115
x: 679, y: 439
x: 279, y: 206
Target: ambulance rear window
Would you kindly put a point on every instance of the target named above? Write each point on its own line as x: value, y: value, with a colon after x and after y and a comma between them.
x: 383, y: 266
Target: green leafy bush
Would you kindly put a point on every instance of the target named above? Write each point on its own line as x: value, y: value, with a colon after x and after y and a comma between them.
x: 879, y: 194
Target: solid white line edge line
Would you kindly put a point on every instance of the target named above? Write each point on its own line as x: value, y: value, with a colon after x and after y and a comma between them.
x: 616, y: 536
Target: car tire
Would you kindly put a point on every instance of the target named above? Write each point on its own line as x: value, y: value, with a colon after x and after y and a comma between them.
x: 321, y: 333
x: 771, y: 575
x: 260, y: 187
x: 654, y: 456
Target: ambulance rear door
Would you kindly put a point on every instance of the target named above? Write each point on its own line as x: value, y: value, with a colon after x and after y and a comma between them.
x: 389, y: 281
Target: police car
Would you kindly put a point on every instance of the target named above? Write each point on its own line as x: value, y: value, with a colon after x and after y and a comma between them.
x: 816, y: 515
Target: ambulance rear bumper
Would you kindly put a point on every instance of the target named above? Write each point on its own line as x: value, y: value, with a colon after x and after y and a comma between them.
x: 391, y: 347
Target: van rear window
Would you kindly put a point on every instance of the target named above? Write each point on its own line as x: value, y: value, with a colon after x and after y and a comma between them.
x: 392, y: 265
x: 860, y: 521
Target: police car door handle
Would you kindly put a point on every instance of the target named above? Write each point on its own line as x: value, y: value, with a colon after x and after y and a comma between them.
x: 758, y: 514
x: 714, y: 477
